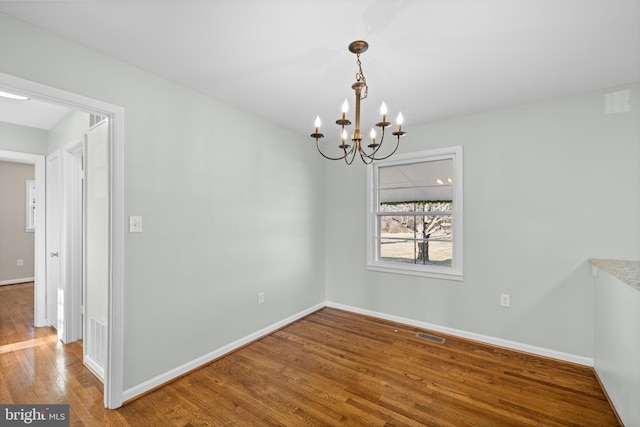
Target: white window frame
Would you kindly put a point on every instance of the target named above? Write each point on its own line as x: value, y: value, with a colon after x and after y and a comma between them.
x: 455, y: 272
x: 31, y: 203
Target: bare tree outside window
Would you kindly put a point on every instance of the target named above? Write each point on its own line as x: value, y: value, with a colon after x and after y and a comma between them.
x: 418, y: 239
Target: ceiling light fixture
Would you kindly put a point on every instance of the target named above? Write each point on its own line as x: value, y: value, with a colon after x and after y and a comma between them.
x: 349, y: 152
x: 9, y: 95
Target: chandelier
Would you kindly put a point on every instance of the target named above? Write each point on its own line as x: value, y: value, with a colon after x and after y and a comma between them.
x: 362, y: 90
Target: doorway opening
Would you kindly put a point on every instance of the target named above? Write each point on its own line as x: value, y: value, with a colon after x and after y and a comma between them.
x: 114, y: 195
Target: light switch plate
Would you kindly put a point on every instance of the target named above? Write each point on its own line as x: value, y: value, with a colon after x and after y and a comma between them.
x: 135, y: 224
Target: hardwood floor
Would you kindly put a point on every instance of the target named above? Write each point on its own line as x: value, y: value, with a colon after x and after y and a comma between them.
x: 330, y: 368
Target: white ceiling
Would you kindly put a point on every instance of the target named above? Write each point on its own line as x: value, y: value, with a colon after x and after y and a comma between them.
x: 31, y: 113
x: 287, y: 60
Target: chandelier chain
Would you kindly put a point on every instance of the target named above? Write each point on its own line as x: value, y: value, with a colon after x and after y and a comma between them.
x: 361, y: 78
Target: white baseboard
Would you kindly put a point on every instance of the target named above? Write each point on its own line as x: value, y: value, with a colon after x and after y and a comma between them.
x: 16, y: 281
x: 540, y: 351
x: 161, y: 379
x: 94, y: 366
x: 139, y: 389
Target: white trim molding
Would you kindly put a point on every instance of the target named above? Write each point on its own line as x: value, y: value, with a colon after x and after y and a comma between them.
x: 16, y: 281
x: 540, y: 351
x: 158, y: 381
x: 161, y: 379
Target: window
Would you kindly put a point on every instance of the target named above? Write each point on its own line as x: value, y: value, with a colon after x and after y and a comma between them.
x: 415, y: 214
x: 31, y: 206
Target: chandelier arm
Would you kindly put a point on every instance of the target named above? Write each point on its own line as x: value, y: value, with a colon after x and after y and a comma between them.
x: 348, y: 160
x: 352, y: 153
x: 365, y: 159
x: 375, y: 150
x: 346, y: 153
x: 390, y: 154
x: 378, y: 146
x: 370, y: 155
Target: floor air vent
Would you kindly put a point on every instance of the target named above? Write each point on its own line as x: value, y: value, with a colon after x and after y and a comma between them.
x: 430, y: 337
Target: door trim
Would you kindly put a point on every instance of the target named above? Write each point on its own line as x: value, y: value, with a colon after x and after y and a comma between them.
x: 54, y: 241
x: 40, y: 317
x: 113, y: 380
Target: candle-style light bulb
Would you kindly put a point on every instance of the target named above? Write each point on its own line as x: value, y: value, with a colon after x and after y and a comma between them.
x: 318, y: 123
x: 399, y: 120
x: 373, y: 136
x: 345, y: 108
x: 383, y: 111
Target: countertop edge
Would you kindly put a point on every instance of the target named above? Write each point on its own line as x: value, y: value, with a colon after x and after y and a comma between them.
x: 627, y: 272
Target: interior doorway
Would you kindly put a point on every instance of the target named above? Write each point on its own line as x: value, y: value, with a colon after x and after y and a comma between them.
x: 65, y: 243
x: 17, y: 214
x: 38, y: 161
x: 113, y: 363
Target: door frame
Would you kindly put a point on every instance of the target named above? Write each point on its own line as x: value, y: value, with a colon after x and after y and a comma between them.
x: 53, y: 242
x: 40, y: 312
x: 113, y: 379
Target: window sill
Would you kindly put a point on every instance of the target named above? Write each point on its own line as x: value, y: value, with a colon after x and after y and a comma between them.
x: 434, y: 272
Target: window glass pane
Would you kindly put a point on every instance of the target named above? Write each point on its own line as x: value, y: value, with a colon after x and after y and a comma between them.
x: 398, y: 207
x: 398, y: 250
x: 440, y: 206
x: 415, y: 182
x: 418, y: 239
x: 412, y: 251
x: 31, y: 205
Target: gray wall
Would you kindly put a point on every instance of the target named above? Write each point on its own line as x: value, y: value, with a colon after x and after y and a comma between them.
x: 15, y: 242
x: 546, y: 185
x: 23, y: 139
x: 232, y: 205
x: 71, y: 128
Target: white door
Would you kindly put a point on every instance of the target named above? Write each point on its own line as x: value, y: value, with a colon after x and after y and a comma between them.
x: 96, y: 247
x: 53, y: 233
x: 73, y: 240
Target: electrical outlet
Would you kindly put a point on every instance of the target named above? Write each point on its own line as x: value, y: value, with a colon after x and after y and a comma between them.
x: 20, y: 262
x: 260, y: 297
x: 505, y: 300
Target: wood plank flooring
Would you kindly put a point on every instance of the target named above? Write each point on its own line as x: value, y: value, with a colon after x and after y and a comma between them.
x: 330, y: 368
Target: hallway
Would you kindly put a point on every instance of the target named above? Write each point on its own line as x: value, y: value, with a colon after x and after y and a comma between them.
x: 37, y: 368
